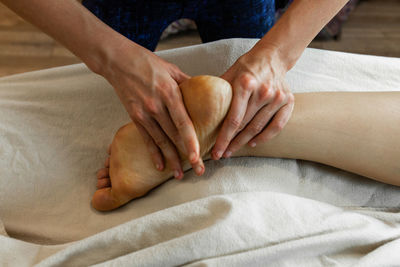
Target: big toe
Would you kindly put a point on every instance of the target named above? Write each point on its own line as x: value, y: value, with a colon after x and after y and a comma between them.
x: 104, y: 200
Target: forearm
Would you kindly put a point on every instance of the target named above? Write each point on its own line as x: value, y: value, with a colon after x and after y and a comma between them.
x: 72, y: 25
x: 297, y: 27
x: 342, y: 130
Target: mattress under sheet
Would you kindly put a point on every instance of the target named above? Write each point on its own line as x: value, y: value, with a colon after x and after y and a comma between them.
x: 56, y: 124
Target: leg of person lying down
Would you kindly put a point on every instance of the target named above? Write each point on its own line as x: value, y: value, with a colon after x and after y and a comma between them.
x: 355, y: 131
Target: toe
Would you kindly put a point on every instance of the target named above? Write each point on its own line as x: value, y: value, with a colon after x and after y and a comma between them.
x: 105, y: 182
x: 107, y: 163
x: 104, y: 200
x: 103, y: 173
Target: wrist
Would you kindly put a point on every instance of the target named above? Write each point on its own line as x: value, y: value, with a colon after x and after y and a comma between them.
x: 278, y: 54
x: 268, y: 58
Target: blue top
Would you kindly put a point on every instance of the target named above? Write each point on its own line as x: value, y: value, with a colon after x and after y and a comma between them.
x: 143, y: 21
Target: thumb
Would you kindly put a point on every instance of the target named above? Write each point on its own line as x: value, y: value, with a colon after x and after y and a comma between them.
x: 178, y: 75
x: 229, y: 74
x: 181, y: 77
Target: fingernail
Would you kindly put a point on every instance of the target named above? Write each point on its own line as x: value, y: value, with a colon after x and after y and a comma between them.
x: 218, y: 154
x: 228, y: 154
x: 159, y: 167
x: 253, y: 144
x: 199, y: 169
x: 192, y: 157
x: 176, y: 174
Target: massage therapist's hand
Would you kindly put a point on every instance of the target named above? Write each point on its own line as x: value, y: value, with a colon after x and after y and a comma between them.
x: 148, y: 88
x: 262, y: 103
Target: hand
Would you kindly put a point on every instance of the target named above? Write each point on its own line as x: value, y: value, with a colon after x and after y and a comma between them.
x: 148, y: 88
x: 262, y: 103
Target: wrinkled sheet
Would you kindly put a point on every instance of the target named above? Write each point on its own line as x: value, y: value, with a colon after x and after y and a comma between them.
x: 56, y: 124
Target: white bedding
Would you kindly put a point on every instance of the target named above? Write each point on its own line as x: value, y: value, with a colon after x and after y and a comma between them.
x: 56, y: 124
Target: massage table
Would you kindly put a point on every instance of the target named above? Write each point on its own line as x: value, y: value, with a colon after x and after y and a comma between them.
x: 56, y: 125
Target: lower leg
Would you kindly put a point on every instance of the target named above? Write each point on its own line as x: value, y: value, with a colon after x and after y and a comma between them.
x: 357, y: 132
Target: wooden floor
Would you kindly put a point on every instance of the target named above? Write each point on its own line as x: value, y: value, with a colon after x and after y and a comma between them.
x: 373, y: 28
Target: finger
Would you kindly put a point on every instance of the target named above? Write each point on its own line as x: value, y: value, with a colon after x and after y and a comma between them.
x: 185, y: 127
x: 234, y: 118
x: 252, y: 109
x: 109, y: 149
x: 275, y: 127
x: 154, y: 151
x: 257, y: 124
x: 264, y: 96
x: 199, y: 167
x: 103, y: 173
x: 164, y: 143
x: 107, y: 162
x: 164, y: 120
x: 178, y: 75
x: 105, y: 182
x: 160, y: 113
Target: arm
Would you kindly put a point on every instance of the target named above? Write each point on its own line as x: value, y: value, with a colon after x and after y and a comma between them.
x: 262, y: 102
x: 297, y: 27
x: 72, y: 25
x: 146, y: 85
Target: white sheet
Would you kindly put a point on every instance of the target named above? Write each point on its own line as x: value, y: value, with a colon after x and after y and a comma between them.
x: 55, y: 126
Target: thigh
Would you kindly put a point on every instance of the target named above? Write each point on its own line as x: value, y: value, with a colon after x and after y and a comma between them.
x: 222, y: 19
x: 142, y: 21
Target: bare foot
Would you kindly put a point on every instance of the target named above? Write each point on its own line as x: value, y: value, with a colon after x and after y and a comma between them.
x: 129, y: 172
